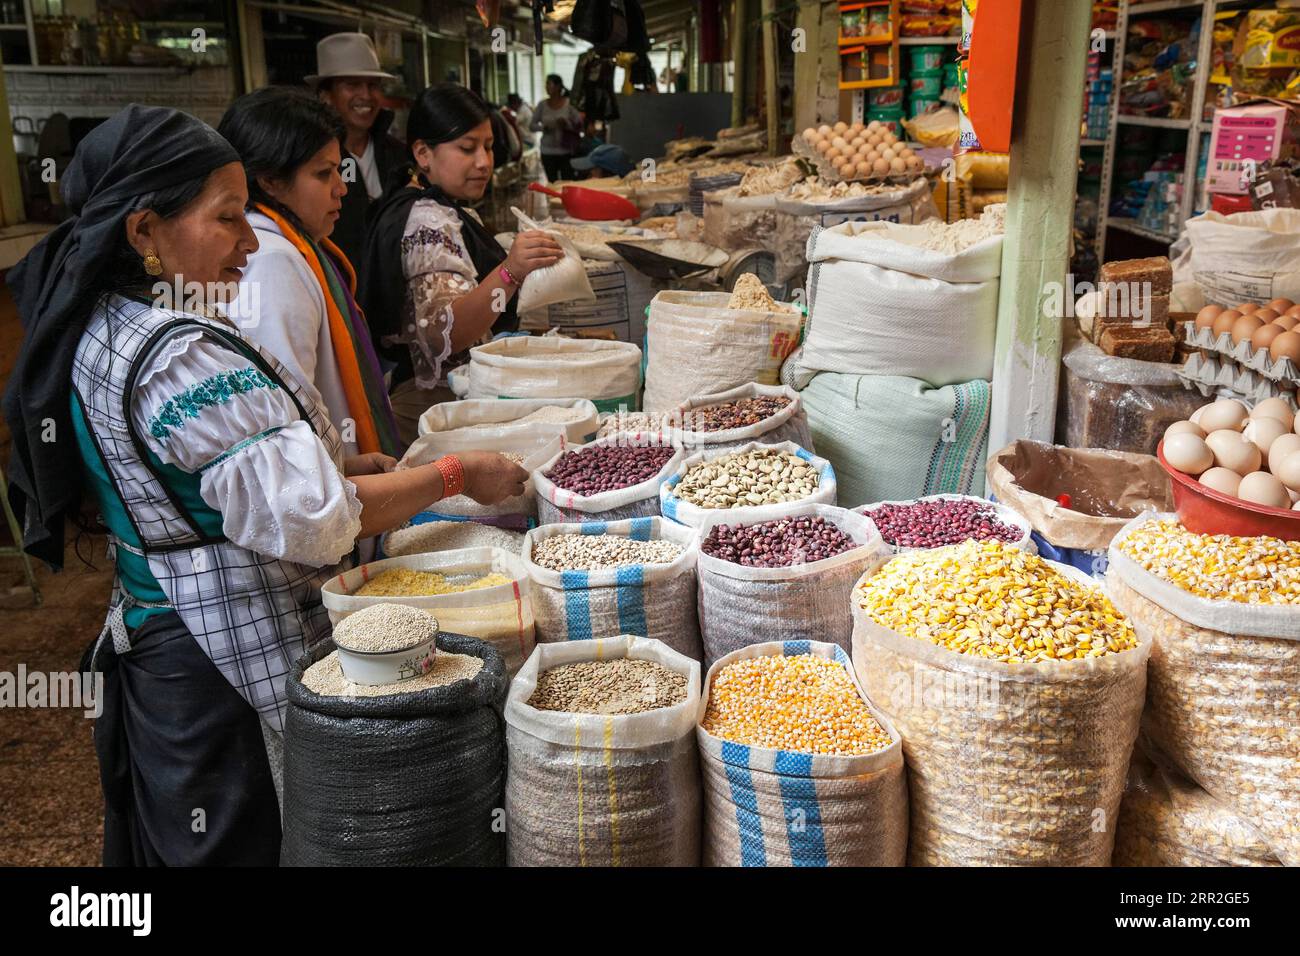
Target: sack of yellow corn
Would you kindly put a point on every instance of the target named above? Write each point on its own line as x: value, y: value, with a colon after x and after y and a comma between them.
x: 1224, y: 695
x: 799, y: 768
x: 1017, y: 688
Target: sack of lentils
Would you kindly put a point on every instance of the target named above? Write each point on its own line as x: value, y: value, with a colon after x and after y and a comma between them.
x: 728, y: 420
x: 815, y: 780
x: 604, y: 769
x: 480, y: 592
x: 1017, y: 687
x: 739, y: 481
x: 785, y: 573
x: 404, y: 774
x: 609, y: 480
x: 1223, y: 700
x: 939, y: 520
x: 601, y: 579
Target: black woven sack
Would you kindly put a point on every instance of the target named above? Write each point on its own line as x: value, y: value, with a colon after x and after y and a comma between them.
x: 402, y: 780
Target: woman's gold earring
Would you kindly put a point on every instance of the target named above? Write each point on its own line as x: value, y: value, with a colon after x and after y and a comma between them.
x: 152, y: 264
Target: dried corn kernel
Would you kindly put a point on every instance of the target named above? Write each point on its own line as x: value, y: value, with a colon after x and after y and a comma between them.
x: 988, y: 599
x: 1219, y: 567
x: 405, y: 582
x: 801, y: 703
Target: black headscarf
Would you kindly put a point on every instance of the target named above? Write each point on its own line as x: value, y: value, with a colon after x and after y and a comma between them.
x: 382, y: 290
x: 140, y: 150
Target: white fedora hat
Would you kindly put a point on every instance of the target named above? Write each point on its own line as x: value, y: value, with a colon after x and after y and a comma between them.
x: 346, y: 54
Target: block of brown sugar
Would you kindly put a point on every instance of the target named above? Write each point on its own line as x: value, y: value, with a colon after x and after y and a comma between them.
x: 1151, y: 344
x: 1155, y: 270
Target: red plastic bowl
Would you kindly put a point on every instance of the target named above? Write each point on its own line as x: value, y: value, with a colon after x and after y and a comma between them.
x: 1207, y: 511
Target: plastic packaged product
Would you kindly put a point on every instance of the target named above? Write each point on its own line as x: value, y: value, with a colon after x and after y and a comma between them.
x: 564, y: 281
x: 561, y: 504
x: 549, y: 366
x: 633, y: 778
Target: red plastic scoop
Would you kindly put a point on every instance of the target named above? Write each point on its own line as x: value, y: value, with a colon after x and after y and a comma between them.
x: 590, y: 204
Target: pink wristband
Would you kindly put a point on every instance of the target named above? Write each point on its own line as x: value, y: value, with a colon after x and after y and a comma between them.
x: 506, y: 277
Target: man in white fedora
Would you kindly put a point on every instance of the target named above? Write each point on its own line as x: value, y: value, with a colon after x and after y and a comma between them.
x: 349, y: 79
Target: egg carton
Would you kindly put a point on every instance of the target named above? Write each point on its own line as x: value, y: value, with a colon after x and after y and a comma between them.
x: 1280, y: 370
x: 828, y: 173
x: 1211, y: 376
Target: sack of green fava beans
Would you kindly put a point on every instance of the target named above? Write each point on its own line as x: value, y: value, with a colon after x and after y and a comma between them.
x: 744, y: 479
x: 608, y: 480
x: 818, y: 797
x: 618, y: 786
x: 601, y: 579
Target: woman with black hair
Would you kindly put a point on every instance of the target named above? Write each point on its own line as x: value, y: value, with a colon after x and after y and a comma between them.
x: 436, y: 281
x: 218, y: 476
x: 561, y: 128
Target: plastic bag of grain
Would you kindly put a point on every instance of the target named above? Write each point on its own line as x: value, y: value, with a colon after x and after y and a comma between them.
x: 531, y: 449
x: 696, y: 345
x: 1223, y: 697
x: 556, y: 504
x: 403, y: 779
x: 563, y: 281
x: 1166, y: 820
x: 549, y: 366
x: 1008, y: 763
x: 587, y: 789
x: 767, y: 807
x: 789, y: 424
x: 678, y: 509
x: 646, y: 600
x: 504, y: 417
x: 742, y: 605
x: 501, y: 614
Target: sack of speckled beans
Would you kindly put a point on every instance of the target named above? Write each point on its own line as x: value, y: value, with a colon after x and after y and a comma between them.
x: 1223, y: 694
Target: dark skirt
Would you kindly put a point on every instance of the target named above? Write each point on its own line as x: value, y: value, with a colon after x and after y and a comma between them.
x: 182, y: 760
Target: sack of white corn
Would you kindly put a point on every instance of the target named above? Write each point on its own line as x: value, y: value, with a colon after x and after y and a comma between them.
x: 403, y: 779
x: 1223, y: 701
x: 610, y: 479
x: 1017, y: 688
x: 505, y: 417
x: 1166, y: 820
x: 604, y: 768
x: 529, y: 451
x: 740, y: 480
x: 481, y: 592
x: 785, y: 574
x: 601, y: 579
x: 783, y: 790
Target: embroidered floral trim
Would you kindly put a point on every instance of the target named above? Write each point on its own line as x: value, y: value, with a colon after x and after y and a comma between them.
x: 212, y: 391
x: 425, y: 236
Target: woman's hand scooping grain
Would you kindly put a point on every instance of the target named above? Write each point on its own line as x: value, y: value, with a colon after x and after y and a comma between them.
x: 490, y: 477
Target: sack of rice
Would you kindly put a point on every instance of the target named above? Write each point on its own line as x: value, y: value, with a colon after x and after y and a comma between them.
x: 504, y: 417
x: 601, y: 579
x: 741, y: 480
x: 1223, y: 697
x: 783, y: 790
x: 551, y: 367
x: 608, y: 480
x: 427, y: 532
x: 1017, y: 688
x: 604, y: 769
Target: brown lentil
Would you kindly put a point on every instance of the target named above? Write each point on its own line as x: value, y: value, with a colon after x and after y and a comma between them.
x: 619, y: 686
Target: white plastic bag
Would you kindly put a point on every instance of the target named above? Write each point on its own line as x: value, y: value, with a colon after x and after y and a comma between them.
x: 502, y: 615
x: 564, y: 281
x: 1243, y: 257
x: 500, y: 416
x: 766, y: 807
x: 741, y: 605
x: 648, y: 600
x: 537, y: 449
x: 556, y: 504
x: 549, y: 366
x: 670, y: 506
x: 597, y: 790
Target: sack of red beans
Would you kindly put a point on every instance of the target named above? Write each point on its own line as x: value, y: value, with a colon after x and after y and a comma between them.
x: 608, y: 480
x: 785, y: 573
x: 753, y: 412
x: 939, y: 520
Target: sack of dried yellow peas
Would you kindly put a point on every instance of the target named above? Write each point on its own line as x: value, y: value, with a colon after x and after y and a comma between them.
x: 1017, y: 688
x: 800, y: 769
x: 1223, y: 700
x: 1166, y: 820
x: 479, y: 592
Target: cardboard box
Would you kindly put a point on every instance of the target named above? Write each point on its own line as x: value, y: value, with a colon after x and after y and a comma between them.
x: 1255, y: 133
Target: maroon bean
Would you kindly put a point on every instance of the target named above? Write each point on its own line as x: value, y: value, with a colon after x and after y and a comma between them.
x: 779, y: 543
x: 599, y: 468
x: 932, y: 524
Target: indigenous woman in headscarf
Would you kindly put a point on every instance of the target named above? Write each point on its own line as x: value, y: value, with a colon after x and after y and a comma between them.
x: 298, y: 284
x: 218, y: 477
x: 436, y: 280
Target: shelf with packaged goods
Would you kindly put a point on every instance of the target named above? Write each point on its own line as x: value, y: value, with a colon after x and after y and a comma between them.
x: 866, y: 41
x: 1130, y: 119
x: 1163, y: 6
x: 1130, y: 225
x: 928, y: 41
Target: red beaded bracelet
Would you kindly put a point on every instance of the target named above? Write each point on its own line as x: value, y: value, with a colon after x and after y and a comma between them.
x: 453, y: 475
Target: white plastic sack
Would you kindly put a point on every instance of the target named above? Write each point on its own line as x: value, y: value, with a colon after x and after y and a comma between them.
x: 1224, y: 693
x: 670, y: 506
x: 537, y: 449
x: 740, y: 605
x: 853, y: 809
x: 596, y: 790
x: 879, y: 306
x: 1007, y: 516
x: 557, y: 505
x: 564, y: 281
x: 1244, y: 257
x: 1008, y: 764
x: 499, y: 417
x: 790, y: 424
x: 648, y: 600
x: 502, y: 615
x: 548, y: 366
x: 696, y: 346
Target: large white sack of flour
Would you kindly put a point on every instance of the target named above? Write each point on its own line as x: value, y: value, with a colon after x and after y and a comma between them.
x: 1245, y: 257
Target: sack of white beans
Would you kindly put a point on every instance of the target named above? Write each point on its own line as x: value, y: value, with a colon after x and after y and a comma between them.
x: 741, y: 479
x: 596, y: 789
x: 599, y: 588
x: 608, y: 480
x: 785, y: 573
